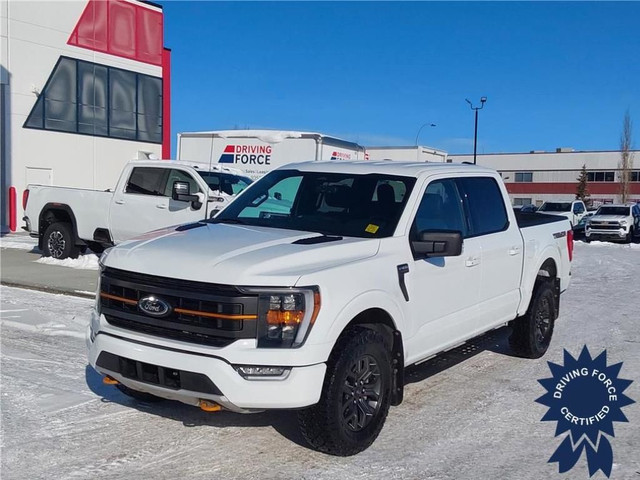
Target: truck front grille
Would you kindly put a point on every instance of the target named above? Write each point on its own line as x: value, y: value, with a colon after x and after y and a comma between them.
x: 196, y: 312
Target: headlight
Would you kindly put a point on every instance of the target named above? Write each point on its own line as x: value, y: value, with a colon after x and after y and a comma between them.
x: 285, y: 316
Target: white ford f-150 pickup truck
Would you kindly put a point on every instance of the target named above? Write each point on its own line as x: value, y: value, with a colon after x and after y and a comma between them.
x: 149, y: 195
x: 320, y: 307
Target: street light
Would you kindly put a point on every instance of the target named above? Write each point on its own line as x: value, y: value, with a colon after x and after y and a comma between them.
x: 475, y: 136
x: 426, y: 124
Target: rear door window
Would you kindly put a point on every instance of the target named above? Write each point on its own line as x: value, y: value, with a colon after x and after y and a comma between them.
x: 485, y: 205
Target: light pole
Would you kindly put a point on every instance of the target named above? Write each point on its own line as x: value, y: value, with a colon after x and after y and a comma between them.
x: 475, y: 136
x: 426, y: 124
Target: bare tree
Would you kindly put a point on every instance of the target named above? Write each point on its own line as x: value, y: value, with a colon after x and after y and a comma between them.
x: 626, y: 161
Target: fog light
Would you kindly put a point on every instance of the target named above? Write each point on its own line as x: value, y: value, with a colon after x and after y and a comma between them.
x: 253, y: 371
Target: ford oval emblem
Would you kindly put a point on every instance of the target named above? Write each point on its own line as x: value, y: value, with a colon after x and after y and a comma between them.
x: 154, y: 306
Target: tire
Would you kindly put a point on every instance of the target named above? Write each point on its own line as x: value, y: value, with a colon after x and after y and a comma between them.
x: 335, y: 425
x: 532, y: 332
x: 140, y: 396
x: 630, y: 235
x: 59, y: 242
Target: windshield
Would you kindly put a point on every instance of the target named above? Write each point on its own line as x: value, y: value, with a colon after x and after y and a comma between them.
x: 555, y: 207
x: 613, y: 211
x: 225, y: 182
x: 367, y: 206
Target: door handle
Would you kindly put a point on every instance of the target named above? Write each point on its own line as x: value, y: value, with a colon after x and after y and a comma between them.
x: 515, y: 250
x: 119, y: 202
x: 162, y: 206
x: 472, y: 261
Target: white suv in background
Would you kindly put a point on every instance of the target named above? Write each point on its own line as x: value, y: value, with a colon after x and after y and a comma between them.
x: 617, y: 222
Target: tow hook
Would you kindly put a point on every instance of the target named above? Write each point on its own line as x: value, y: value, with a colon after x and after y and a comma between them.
x: 209, y: 406
x: 107, y: 380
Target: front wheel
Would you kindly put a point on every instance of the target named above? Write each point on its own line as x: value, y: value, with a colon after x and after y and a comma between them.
x: 355, y: 396
x: 532, y: 332
x: 59, y: 242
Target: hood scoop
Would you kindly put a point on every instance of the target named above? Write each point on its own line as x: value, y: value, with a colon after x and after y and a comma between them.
x: 316, y: 240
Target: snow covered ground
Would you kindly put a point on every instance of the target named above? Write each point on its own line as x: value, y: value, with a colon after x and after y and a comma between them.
x: 88, y: 261
x: 467, y: 415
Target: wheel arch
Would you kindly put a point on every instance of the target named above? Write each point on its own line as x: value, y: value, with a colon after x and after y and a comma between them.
x: 57, y: 212
x: 384, y: 317
x: 547, y: 268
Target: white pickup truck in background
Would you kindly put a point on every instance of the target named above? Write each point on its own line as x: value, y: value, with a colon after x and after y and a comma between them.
x: 574, y: 211
x: 68, y: 220
x: 320, y: 307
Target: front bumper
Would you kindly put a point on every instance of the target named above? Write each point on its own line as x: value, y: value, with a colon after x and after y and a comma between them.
x: 300, y: 388
x: 620, y: 232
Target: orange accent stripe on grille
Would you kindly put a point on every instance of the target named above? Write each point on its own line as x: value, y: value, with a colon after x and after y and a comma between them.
x: 119, y: 299
x: 184, y: 310
x: 215, y: 315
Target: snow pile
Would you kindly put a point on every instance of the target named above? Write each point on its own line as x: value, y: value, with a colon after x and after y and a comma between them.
x: 597, y: 243
x: 19, y: 242
x: 83, y: 262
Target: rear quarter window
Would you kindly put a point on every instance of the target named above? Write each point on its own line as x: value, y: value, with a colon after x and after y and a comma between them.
x: 485, y: 206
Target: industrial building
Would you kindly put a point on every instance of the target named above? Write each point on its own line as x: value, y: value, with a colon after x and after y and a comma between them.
x: 537, y: 176
x: 85, y: 87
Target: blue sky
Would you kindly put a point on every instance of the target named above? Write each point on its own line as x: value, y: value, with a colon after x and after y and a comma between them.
x: 555, y: 74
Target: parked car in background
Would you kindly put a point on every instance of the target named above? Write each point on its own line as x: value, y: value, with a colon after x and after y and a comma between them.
x: 574, y: 211
x: 579, y: 228
x: 150, y: 194
x: 530, y: 208
x: 614, y: 222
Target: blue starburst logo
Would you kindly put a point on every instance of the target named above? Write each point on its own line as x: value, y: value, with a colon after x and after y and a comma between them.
x: 585, y: 397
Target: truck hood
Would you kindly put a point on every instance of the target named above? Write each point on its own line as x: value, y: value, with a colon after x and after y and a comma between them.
x: 235, y: 254
x: 608, y: 218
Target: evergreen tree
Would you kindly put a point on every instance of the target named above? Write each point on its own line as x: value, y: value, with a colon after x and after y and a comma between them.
x: 582, y: 190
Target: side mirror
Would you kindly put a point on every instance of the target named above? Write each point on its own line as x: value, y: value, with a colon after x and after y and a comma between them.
x: 437, y: 243
x: 277, y: 196
x: 181, y: 193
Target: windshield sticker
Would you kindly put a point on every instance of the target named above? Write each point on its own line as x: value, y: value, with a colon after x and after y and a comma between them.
x: 371, y: 228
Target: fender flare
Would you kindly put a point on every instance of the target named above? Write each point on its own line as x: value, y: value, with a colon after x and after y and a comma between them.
x: 528, y: 284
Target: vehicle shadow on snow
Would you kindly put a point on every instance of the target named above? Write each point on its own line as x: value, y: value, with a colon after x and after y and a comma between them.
x: 282, y: 421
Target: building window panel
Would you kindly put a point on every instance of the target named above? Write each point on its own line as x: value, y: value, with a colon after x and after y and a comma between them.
x: 522, y: 201
x: 524, y: 177
x: 83, y: 97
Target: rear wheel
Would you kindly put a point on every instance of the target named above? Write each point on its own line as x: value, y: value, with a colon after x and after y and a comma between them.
x: 59, y: 241
x: 355, y: 396
x: 532, y: 332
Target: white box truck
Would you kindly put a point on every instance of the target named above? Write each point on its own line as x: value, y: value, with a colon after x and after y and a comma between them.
x: 257, y: 152
x: 417, y: 153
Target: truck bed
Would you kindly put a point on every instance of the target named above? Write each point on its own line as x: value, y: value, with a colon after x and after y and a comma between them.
x: 531, y: 219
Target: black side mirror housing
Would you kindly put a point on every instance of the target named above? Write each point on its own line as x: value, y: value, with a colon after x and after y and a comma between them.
x: 181, y: 193
x: 437, y: 243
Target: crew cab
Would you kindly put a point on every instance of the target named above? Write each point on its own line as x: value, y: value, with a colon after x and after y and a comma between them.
x: 320, y: 307
x: 614, y: 222
x: 574, y: 211
x: 149, y: 195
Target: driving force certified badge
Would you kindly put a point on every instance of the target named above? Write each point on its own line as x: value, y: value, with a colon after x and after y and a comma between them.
x: 585, y: 397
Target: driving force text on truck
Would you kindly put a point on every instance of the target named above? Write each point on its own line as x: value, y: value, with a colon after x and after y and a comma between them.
x: 320, y: 307
x: 257, y: 152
